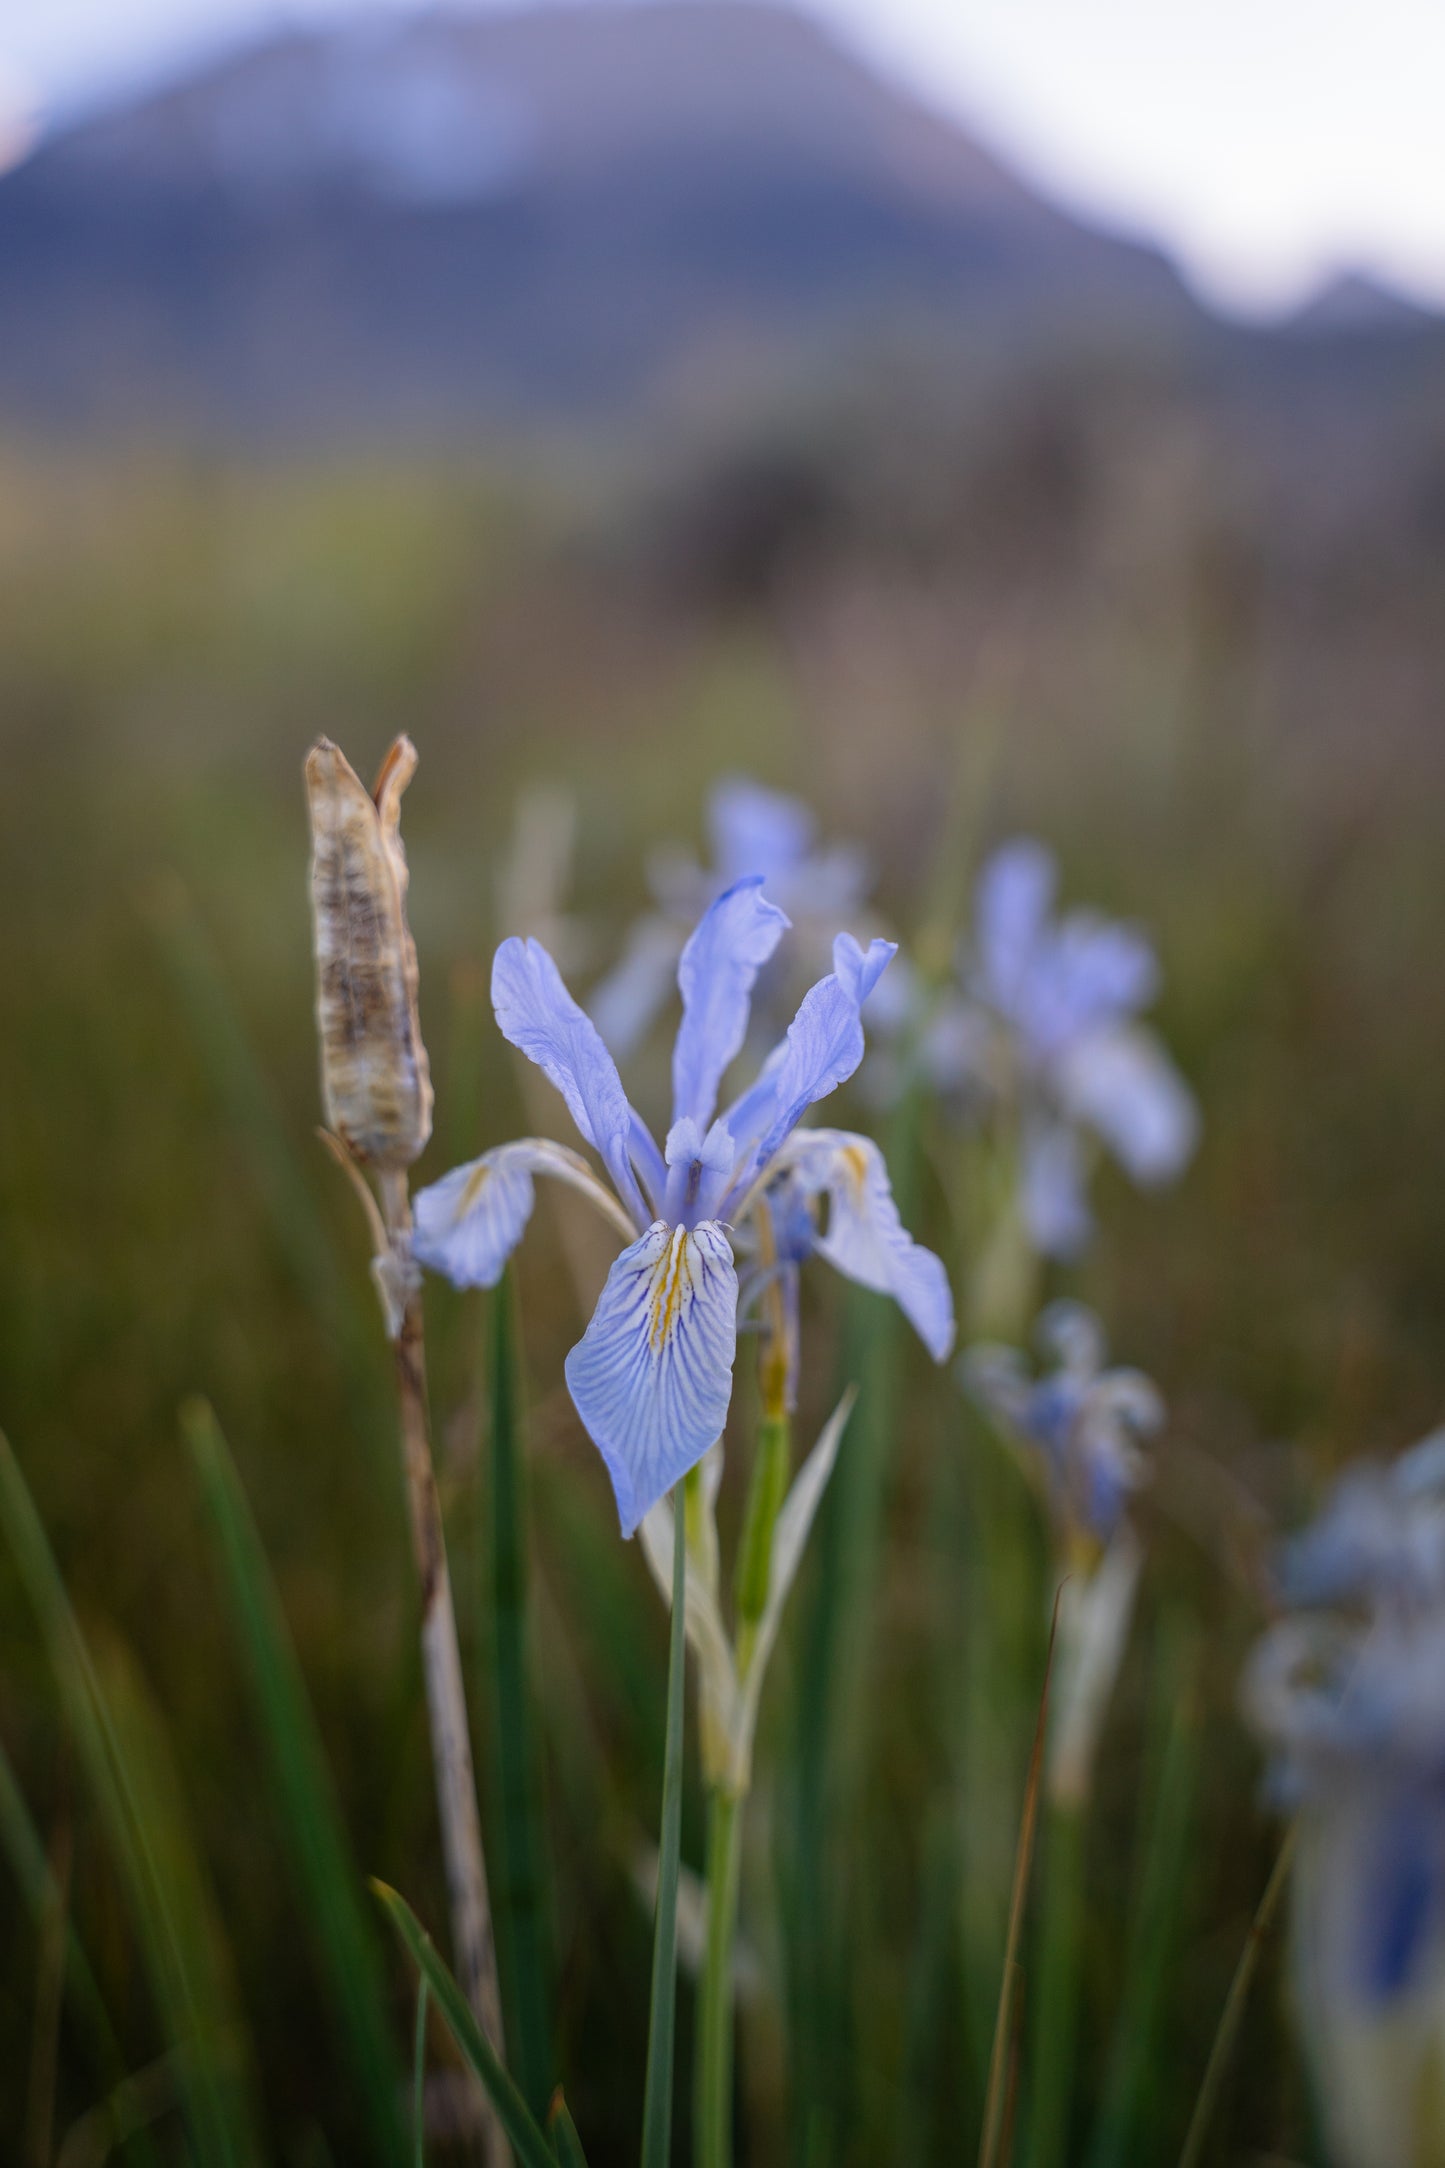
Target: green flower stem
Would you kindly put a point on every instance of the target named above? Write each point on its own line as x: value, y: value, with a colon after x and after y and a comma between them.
x: 714, y: 2094
x: 766, y: 1492
x: 1056, y: 1994
x: 657, y: 2094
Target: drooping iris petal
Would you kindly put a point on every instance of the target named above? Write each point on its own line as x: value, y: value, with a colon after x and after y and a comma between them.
x: 624, y: 1004
x: 1015, y: 890
x: 1055, y: 1208
x: 538, y: 1015
x: 757, y: 831
x: 727, y: 949
x: 652, y: 1375
x: 467, y: 1225
x: 1122, y: 1083
x: 823, y: 1047
x: 867, y: 1241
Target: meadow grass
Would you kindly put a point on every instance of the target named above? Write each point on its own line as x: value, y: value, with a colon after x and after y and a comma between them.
x: 176, y: 635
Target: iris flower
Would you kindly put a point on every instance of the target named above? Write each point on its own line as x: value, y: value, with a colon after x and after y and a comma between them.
x: 1047, y: 1024
x: 751, y: 831
x: 1348, y: 1691
x: 651, y: 1378
x: 1079, y: 1427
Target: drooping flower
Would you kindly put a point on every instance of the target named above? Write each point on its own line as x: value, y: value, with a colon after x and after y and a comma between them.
x: 1080, y: 1429
x: 651, y: 1377
x: 752, y: 831
x: 1047, y: 1026
x: 1348, y: 1692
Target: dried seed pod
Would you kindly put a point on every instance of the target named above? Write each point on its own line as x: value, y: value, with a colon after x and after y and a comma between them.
x: 375, y: 1082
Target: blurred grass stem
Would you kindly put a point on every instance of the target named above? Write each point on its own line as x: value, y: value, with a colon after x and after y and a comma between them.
x: 1232, y: 2015
x: 1056, y: 1984
x: 466, y: 1873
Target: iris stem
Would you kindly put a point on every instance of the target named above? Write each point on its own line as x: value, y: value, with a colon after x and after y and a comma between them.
x: 657, y: 2097
x: 714, y: 2096
x: 473, y: 1941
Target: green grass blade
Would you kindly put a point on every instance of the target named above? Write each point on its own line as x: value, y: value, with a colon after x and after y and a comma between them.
x: 205, y: 2011
x: 523, y: 1950
x: 1157, y: 1912
x: 1053, y: 2033
x: 22, y: 1846
x: 309, y: 1819
x: 662, y: 2018
x: 992, y: 2149
x: 418, y: 2077
x: 1232, y: 2015
x: 152, y: 1859
x: 531, y: 2148
x: 563, y: 2133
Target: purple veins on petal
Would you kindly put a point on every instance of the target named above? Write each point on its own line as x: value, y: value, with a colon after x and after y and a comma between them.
x: 651, y: 1377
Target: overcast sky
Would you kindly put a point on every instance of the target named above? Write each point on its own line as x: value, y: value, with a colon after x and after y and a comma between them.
x: 1264, y: 142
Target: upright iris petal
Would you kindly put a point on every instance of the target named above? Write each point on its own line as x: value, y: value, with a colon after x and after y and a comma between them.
x: 823, y: 1048
x: 537, y: 1014
x: 652, y: 1375
x: 733, y: 940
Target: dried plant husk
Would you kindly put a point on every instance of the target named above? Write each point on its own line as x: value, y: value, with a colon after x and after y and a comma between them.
x: 375, y: 1082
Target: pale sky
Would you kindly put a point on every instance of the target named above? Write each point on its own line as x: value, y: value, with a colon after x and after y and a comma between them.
x: 1264, y: 143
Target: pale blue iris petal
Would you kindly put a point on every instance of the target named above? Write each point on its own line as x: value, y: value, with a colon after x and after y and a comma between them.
x: 536, y: 1012
x: 625, y: 1004
x: 1015, y: 891
x: 823, y: 1047
x: 468, y: 1224
x: 756, y: 831
x: 858, y: 970
x: 1055, y: 1209
x: 1088, y: 973
x: 867, y: 1241
x: 1122, y: 1083
x: 652, y: 1375
x: 731, y: 943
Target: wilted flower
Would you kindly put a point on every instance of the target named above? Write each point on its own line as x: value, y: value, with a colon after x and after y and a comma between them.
x: 1079, y: 1427
x: 1349, y: 1694
x: 375, y: 1083
x: 752, y: 831
x: 1047, y: 1028
x: 651, y: 1377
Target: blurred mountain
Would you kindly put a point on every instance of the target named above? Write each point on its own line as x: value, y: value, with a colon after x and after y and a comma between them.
x: 1355, y: 301
x: 430, y: 223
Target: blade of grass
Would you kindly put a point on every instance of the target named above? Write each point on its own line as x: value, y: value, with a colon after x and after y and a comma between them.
x: 208, y: 1988
x: 990, y: 2152
x: 657, y: 2095
x: 214, y: 2103
x: 309, y: 1820
x: 418, y: 2077
x: 1232, y: 2015
x: 21, y: 1843
x: 1157, y: 1909
x: 521, y: 1913
x: 516, y: 2117
x: 563, y: 2133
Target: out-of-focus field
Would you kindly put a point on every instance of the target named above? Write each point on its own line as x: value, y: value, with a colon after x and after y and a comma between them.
x: 1100, y: 637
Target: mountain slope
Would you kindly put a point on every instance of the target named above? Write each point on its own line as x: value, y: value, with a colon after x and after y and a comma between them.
x: 418, y: 226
